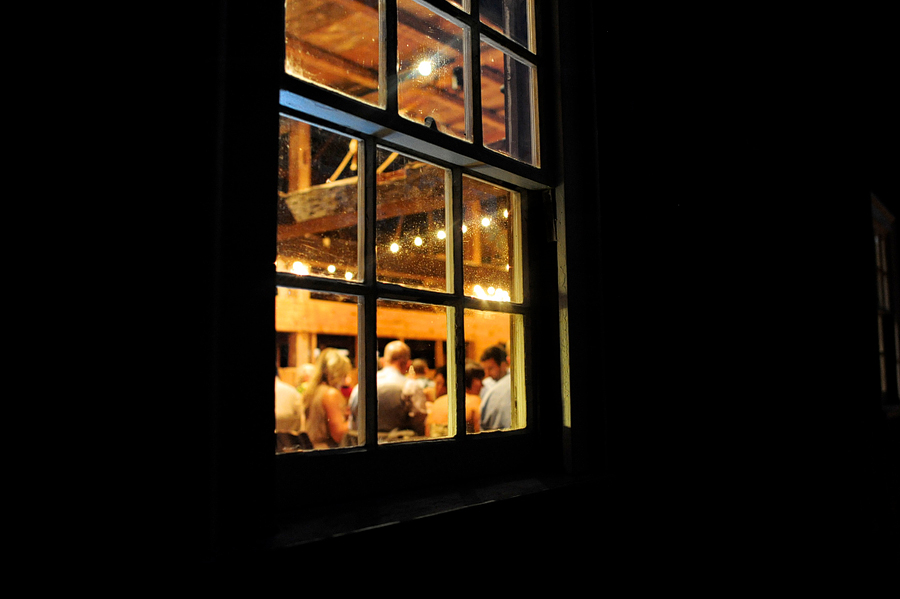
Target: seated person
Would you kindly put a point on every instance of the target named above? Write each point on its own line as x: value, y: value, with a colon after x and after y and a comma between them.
x: 325, y: 405
x: 440, y: 384
x: 437, y: 422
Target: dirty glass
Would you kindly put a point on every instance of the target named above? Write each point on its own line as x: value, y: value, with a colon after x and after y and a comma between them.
x: 318, y: 199
x: 512, y: 18
x: 316, y: 356
x: 336, y: 45
x: 412, y: 349
x: 494, y: 340
x: 432, y: 69
x: 491, y: 257
x: 411, y: 235
x: 508, y: 106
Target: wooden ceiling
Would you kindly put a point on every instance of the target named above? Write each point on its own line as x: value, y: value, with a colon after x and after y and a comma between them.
x: 336, y: 43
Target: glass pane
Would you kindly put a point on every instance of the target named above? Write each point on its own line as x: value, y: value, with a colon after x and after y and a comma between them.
x: 491, y: 260
x: 494, y: 340
x: 411, y: 345
x: 508, y: 111
x: 411, y: 240
x: 431, y: 69
x: 316, y: 349
x: 335, y: 45
x: 512, y: 18
x: 461, y: 4
x: 318, y: 199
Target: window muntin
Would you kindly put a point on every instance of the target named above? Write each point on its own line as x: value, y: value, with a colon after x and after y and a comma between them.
x: 437, y: 80
x: 404, y: 190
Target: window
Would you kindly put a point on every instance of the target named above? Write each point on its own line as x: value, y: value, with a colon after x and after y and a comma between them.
x: 409, y: 159
x: 888, y: 333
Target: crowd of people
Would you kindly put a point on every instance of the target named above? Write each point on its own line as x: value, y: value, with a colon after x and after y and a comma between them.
x: 322, y: 416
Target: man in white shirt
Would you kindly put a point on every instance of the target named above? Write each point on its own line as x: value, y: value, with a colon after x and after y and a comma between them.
x: 496, y: 402
x: 401, y: 399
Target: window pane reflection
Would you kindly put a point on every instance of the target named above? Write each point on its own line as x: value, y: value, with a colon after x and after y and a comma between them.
x: 318, y: 199
x: 490, y: 241
x: 512, y: 18
x: 411, y: 238
x: 431, y: 69
x: 494, y: 341
x: 316, y: 349
x: 508, y: 104
x: 335, y: 45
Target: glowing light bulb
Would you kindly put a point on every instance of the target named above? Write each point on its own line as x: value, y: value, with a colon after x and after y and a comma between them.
x: 418, y: 241
x: 331, y: 268
x: 485, y: 221
x: 425, y: 68
x: 506, y: 214
x: 465, y: 228
x: 298, y: 268
x: 395, y: 248
x: 491, y: 290
x: 348, y: 275
x: 441, y: 235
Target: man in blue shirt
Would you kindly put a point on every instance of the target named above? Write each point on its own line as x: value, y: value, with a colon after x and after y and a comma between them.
x: 496, y: 402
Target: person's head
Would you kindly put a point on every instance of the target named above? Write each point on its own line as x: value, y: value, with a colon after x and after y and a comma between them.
x: 420, y: 367
x: 440, y: 381
x: 495, y: 362
x: 305, y: 372
x: 397, y: 354
x: 332, y: 368
x: 474, y: 375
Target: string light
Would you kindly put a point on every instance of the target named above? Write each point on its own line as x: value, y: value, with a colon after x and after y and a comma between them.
x: 418, y: 241
x: 441, y: 234
x: 497, y: 295
x: 485, y: 221
x: 348, y: 275
x: 298, y: 268
x: 331, y: 269
x: 395, y: 248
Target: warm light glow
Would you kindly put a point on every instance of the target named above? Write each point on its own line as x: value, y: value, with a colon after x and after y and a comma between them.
x: 465, y: 228
x: 507, y: 268
x: 506, y: 214
x: 441, y: 235
x: 485, y: 221
x: 348, y: 275
x: 425, y: 68
x: 298, y: 268
x: 395, y: 248
x: 331, y: 268
x: 498, y: 295
x: 418, y: 241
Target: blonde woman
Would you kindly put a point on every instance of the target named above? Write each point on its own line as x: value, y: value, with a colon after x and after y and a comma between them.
x: 326, y: 407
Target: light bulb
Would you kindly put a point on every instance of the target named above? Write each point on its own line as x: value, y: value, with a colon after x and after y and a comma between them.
x: 395, y: 248
x: 425, y: 68
x: 418, y: 241
x: 485, y: 221
x: 298, y: 268
x: 331, y: 268
x: 441, y: 234
x: 465, y: 228
x: 348, y: 275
